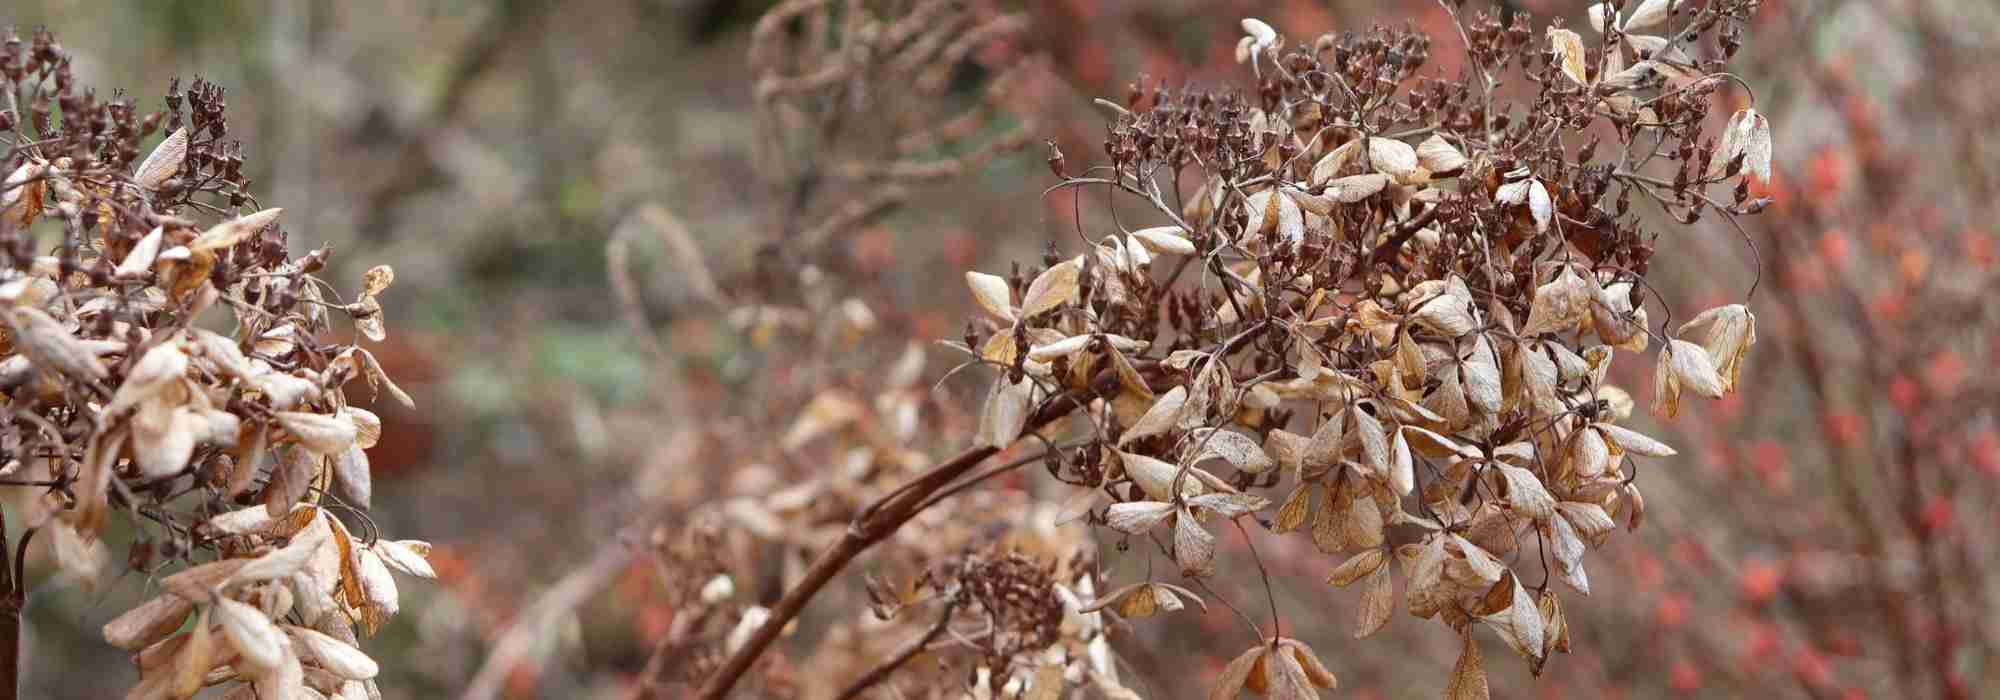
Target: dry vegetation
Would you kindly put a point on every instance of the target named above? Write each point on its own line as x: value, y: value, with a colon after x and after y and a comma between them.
x: 229, y: 452
x: 932, y: 375
x: 1376, y: 309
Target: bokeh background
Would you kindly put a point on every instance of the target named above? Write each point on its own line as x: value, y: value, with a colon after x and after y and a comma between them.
x: 1825, y: 534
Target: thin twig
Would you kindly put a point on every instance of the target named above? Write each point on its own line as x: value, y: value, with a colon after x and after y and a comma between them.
x: 879, y: 521
x: 908, y: 651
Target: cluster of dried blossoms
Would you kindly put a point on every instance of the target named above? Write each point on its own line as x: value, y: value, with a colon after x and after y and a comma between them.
x: 1389, y: 302
x: 165, y: 362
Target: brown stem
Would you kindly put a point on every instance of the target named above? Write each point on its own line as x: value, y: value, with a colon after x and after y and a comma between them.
x: 908, y: 651
x: 878, y: 522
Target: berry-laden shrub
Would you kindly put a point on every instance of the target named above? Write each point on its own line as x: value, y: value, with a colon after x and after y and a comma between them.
x: 165, y: 363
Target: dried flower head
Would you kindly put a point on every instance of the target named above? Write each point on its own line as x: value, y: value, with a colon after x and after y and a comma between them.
x: 231, y: 450
x: 1393, y: 303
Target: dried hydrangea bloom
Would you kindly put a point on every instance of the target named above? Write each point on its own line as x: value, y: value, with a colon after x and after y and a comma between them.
x: 1387, y: 300
x: 219, y: 448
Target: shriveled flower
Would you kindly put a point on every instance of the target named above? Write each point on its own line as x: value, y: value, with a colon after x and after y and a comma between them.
x: 1141, y: 600
x: 1732, y: 329
x: 1683, y: 365
x: 1280, y: 668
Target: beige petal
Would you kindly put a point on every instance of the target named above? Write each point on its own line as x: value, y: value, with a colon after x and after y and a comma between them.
x: 1155, y: 477
x: 1165, y: 239
x: 408, y: 556
x: 1438, y: 155
x: 254, y: 637
x: 1136, y: 517
x: 1236, y: 675
x: 1649, y: 13
x: 1236, y: 448
x: 1511, y: 612
x: 1525, y: 493
x: 163, y: 162
x: 140, y: 261
x: 229, y: 233
x: 1054, y: 287
x: 1006, y: 412
x: 1194, y: 547
x: 1164, y: 414
x: 1354, y: 188
x: 1568, y: 48
x: 1365, y: 562
x: 1468, y: 676
x: 1691, y: 369
x: 148, y: 623
x: 992, y: 294
x: 1377, y: 599
x: 323, y: 434
x: 337, y: 657
x: 1393, y: 157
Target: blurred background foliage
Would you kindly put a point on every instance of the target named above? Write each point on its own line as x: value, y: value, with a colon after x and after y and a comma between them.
x: 489, y: 151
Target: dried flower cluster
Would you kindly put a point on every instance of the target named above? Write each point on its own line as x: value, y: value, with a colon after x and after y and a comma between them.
x: 167, y: 363
x: 1391, y: 303
x: 1373, y: 307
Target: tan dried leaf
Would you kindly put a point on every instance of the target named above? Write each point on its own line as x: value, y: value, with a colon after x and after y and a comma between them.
x: 1402, y: 467
x: 1363, y: 563
x: 1136, y: 517
x: 139, y: 262
x: 1525, y: 492
x: 992, y: 294
x: 1562, y: 304
x: 1566, y: 550
x: 1512, y: 613
x: 1006, y: 412
x: 1329, y: 166
x: 1354, y: 188
x: 1683, y: 365
x: 1395, y: 158
x: 1634, y: 442
x: 1374, y: 440
x: 1165, y: 239
x: 164, y: 161
x: 1327, y: 442
x: 257, y: 641
x: 1236, y: 448
x: 1162, y: 417
x: 1732, y: 329
x: 1568, y: 49
x: 1297, y: 505
x: 283, y: 561
x: 49, y: 345
x: 337, y: 657
x: 1054, y: 287
x: 148, y: 623
x: 377, y: 280
x: 408, y: 556
x: 1365, y: 525
x: 1194, y: 547
x: 1270, y: 212
x: 227, y: 234
x: 196, y: 657
x: 1236, y: 676
x: 1437, y: 155
x: 1468, y: 676
x: 1649, y: 13
x: 320, y: 433
x: 1376, y: 601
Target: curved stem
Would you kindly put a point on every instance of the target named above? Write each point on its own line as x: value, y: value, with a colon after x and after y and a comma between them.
x: 880, y: 520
